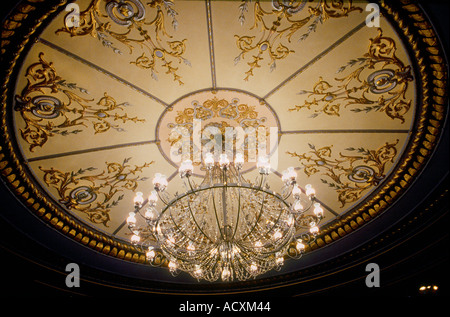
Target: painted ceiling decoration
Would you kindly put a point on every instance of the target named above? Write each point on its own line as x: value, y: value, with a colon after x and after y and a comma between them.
x: 89, y: 105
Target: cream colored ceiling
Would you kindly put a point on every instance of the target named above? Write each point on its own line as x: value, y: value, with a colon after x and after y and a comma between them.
x: 116, y: 151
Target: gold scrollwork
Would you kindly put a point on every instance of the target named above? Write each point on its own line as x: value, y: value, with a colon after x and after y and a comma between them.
x: 229, y: 113
x: 283, y: 25
x: 95, y: 195
x: 130, y: 28
x: 49, y: 106
x: 380, y: 83
x: 349, y: 175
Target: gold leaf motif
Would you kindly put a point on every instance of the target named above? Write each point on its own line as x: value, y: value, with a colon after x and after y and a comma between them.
x: 284, y: 21
x: 49, y: 106
x: 379, y: 83
x: 349, y: 175
x: 124, y: 22
x: 231, y: 113
x: 95, y: 194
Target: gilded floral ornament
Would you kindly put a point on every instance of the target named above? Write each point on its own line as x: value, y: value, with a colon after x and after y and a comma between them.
x: 95, y: 194
x: 51, y: 106
x: 379, y: 83
x: 124, y: 22
x: 278, y: 26
x: 349, y: 175
x: 216, y: 115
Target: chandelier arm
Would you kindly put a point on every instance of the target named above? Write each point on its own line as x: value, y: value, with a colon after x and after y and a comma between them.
x: 276, y: 222
x: 257, y: 255
x: 196, y: 223
x: 224, y: 198
x: 238, y: 213
x: 178, y: 229
x: 263, y: 177
x: 292, y: 210
x: 257, y: 219
x: 289, y: 192
x: 189, y: 182
x: 161, y: 198
x: 246, y: 186
x: 215, y: 213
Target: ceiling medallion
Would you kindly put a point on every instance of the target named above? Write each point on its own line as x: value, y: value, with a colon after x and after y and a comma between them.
x: 198, y: 120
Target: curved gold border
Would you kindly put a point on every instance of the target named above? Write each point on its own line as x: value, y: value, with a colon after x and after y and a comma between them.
x: 431, y: 67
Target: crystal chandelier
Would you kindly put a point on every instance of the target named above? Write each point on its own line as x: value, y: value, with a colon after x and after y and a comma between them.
x: 226, y: 227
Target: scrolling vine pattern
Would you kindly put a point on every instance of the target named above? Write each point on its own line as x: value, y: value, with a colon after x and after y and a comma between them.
x: 379, y: 84
x: 230, y: 113
x: 125, y: 22
x: 95, y: 194
x: 350, y: 175
x: 51, y: 106
x: 280, y: 24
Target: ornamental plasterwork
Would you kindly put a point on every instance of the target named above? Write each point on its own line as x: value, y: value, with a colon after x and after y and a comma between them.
x: 217, y: 114
x: 95, y: 193
x: 129, y: 23
x: 277, y: 27
x: 378, y: 84
x: 50, y: 106
x: 349, y: 174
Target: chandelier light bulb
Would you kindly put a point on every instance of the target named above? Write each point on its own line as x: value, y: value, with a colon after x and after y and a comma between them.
x: 223, y: 161
x: 172, y: 266
x: 209, y: 160
x: 160, y: 182
x: 314, y: 230
x: 153, y: 198
x: 239, y: 160
x: 279, y: 261
x: 198, y: 271
x: 298, y: 207
x: 190, y: 247
x: 186, y: 168
x: 318, y: 210
x: 150, y: 254
x: 277, y: 235
x: 263, y: 165
x: 289, y: 176
x: 138, y: 200
x: 300, y: 246
x: 131, y: 220
x: 296, y: 191
x: 150, y: 213
x: 310, y: 190
x: 135, y: 239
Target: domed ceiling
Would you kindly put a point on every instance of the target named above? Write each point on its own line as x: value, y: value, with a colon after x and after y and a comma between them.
x: 89, y: 107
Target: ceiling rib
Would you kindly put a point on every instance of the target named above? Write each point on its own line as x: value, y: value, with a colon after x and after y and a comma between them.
x: 315, y: 59
x: 103, y: 71
x: 345, y: 131
x: 211, y: 43
x: 97, y: 149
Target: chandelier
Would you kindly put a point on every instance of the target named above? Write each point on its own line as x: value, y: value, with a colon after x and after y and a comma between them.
x: 226, y: 227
